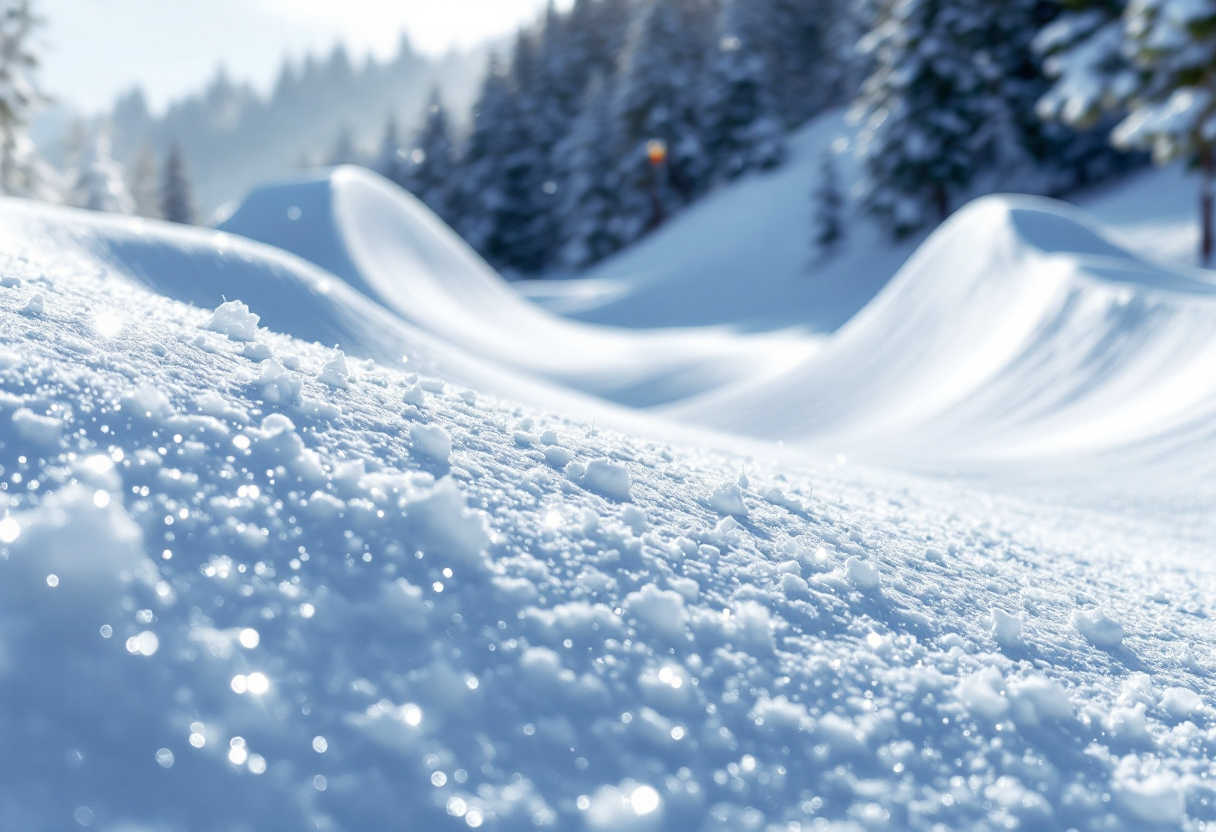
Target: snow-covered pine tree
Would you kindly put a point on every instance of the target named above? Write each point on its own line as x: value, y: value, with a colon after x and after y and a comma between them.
x: 429, y: 171
x: 828, y: 204
x: 1084, y: 54
x: 595, y: 35
x: 480, y: 185
x: 1172, y: 111
x: 22, y: 171
x: 99, y: 183
x: 391, y: 161
x: 662, y: 67
x: 949, y: 107
x: 807, y: 47
x: 739, y: 122
x: 588, y: 202
x: 1066, y: 154
x: 142, y: 182
x: 522, y: 237
x: 176, y: 194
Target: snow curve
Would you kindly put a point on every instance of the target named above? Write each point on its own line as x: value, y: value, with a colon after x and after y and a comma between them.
x: 389, y: 246
x: 1016, y: 330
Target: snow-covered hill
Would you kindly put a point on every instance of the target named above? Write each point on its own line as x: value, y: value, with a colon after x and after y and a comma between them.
x: 1016, y: 332
x: 391, y: 248
x: 249, y: 583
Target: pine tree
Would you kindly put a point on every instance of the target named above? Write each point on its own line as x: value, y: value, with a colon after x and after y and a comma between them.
x: 429, y: 172
x: 1084, y: 54
x: 22, y: 172
x: 176, y: 194
x: 828, y: 205
x: 391, y: 161
x: 738, y: 120
x: 479, y: 193
x: 588, y: 202
x: 807, y: 49
x: 945, y: 105
x: 1173, y: 106
x: 99, y: 183
x: 501, y: 190
x: 658, y: 96
x: 142, y: 182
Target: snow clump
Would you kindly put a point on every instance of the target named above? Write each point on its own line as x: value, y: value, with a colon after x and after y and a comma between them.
x: 279, y: 385
x: 432, y: 442
x: 604, y: 477
x: 44, y: 431
x: 234, y: 320
x: 1099, y: 629
x: 335, y: 372
x: 727, y: 499
x: 862, y: 574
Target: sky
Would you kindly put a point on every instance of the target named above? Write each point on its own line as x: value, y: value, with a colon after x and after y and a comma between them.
x: 92, y: 50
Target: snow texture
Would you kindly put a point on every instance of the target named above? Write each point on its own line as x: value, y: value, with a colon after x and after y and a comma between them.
x: 233, y: 595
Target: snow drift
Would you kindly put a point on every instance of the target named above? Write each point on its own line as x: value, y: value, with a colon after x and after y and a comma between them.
x: 1016, y: 331
x: 385, y: 243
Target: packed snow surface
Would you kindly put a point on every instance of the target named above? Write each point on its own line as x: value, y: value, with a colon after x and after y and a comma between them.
x: 251, y: 580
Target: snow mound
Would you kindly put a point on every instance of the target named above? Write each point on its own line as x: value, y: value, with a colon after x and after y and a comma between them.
x: 1016, y: 332
x: 391, y: 248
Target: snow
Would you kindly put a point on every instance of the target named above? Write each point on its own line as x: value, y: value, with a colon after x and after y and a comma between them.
x: 391, y: 248
x: 451, y: 592
x: 234, y: 320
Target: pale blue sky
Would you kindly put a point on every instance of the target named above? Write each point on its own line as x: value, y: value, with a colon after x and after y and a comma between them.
x: 94, y: 49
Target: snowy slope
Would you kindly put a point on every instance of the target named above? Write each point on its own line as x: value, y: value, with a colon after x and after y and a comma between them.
x: 1015, y: 331
x: 389, y: 246
x: 743, y: 256
x: 336, y: 595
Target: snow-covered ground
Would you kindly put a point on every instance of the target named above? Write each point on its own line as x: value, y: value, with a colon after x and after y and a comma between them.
x: 248, y: 581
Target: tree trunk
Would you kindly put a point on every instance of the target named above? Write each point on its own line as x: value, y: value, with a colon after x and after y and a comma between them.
x: 1205, y: 202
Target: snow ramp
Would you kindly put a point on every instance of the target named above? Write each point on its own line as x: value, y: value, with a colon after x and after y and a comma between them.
x: 390, y: 247
x: 1015, y: 330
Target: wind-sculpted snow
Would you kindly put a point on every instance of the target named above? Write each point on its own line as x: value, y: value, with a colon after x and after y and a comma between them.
x: 1015, y: 337
x: 397, y: 603
x: 1016, y: 334
x: 389, y: 246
